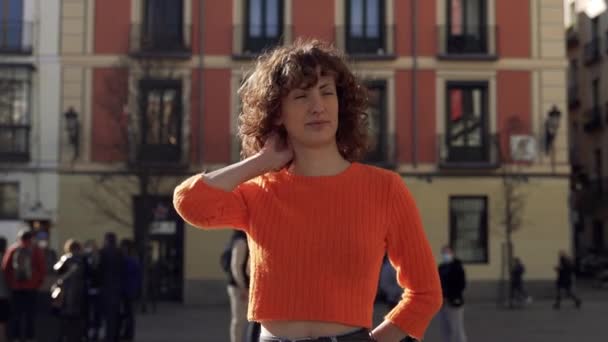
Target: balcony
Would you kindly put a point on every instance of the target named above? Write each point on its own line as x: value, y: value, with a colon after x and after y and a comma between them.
x: 574, y: 100
x: 367, y: 42
x: 15, y: 37
x: 250, y: 41
x: 14, y: 143
x: 171, y: 43
x: 593, y: 119
x: 592, y: 51
x: 572, y: 39
x: 485, y: 156
x: 477, y: 42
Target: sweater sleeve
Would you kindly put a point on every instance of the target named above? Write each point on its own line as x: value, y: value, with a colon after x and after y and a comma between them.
x: 204, y: 206
x: 409, y: 251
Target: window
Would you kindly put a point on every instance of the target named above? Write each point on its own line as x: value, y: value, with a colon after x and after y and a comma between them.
x: 9, y: 201
x: 161, y: 120
x: 15, y: 91
x: 365, y: 27
x: 467, y: 31
x: 12, y: 28
x: 469, y: 228
x: 163, y: 25
x: 263, y: 25
x: 467, y: 137
x: 377, y: 121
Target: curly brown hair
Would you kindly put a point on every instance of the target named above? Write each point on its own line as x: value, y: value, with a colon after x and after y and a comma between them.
x: 285, y: 68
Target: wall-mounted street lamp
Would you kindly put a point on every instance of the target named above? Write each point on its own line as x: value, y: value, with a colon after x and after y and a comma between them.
x: 72, y: 126
x: 551, y: 127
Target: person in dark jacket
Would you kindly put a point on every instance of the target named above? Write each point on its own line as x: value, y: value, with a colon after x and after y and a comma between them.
x: 111, y: 264
x: 93, y: 278
x: 565, y: 274
x: 132, y: 282
x: 518, y: 293
x: 453, y: 283
x: 71, y: 270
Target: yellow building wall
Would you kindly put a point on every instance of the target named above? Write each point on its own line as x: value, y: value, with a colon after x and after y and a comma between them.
x: 545, y: 225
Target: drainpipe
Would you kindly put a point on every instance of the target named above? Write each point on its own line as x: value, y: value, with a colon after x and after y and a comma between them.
x: 201, y: 125
x: 414, y: 22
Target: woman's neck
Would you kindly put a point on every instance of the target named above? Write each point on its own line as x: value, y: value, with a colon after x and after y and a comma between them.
x: 325, y: 161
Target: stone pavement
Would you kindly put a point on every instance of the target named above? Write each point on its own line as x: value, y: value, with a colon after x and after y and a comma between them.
x: 537, y: 322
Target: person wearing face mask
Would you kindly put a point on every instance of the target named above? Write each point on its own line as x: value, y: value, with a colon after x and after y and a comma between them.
x: 453, y: 283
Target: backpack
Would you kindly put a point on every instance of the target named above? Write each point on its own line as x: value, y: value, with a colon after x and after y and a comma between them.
x: 22, y: 264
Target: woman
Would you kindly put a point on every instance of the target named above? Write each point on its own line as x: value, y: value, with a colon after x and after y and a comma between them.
x: 72, y: 309
x: 318, y: 222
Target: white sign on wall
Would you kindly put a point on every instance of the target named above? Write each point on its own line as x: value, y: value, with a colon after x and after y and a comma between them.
x: 523, y: 148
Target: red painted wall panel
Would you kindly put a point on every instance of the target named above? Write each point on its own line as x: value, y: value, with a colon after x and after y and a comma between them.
x: 195, y: 133
x: 216, y: 137
x: 314, y: 19
x: 110, y: 93
x: 426, y: 122
x: 218, y: 27
x: 112, y: 26
x: 513, y: 35
x: 514, y: 105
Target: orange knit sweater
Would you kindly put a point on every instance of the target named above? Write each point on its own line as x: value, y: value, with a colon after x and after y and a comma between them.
x: 317, y: 244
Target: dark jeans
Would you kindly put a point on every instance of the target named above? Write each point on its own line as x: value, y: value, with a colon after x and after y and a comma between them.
x: 127, y: 320
x: 93, y: 317
x: 253, y: 332
x: 569, y: 294
x: 111, y: 317
x: 361, y: 335
x: 23, y: 314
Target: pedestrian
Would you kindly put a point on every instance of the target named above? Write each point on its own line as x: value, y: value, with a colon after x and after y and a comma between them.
x: 71, y: 269
x: 318, y: 222
x: 132, y: 283
x: 518, y: 292
x: 4, y: 295
x: 453, y: 283
x: 565, y: 275
x: 93, y: 284
x: 389, y: 287
x: 235, y: 261
x: 24, y: 269
x: 111, y: 264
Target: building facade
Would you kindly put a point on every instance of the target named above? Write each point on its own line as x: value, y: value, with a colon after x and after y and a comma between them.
x: 29, y: 116
x: 460, y: 98
x: 587, y: 46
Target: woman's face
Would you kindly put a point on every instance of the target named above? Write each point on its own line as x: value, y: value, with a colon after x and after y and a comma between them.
x: 310, y: 116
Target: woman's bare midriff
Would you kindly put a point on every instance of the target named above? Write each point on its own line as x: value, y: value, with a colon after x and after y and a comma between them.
x: 303, y: 329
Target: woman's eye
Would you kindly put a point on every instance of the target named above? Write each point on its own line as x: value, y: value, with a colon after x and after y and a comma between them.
x: 300, y: 97
x: 328, y: 93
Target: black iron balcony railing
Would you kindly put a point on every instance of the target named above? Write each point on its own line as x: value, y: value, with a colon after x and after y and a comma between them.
x: 250, y: 41
x: 593, y: 119
x: 15, y: 37
x: 467, y: 42
x: 572, y: 38
x: 573, y: 96
x: 166, y: 42
x: 367, y: 42
x: 486, y: 155
x: 14, y: 143
x: 592, y: 51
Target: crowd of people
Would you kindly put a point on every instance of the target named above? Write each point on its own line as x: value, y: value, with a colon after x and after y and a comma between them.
x: 92, y: 290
